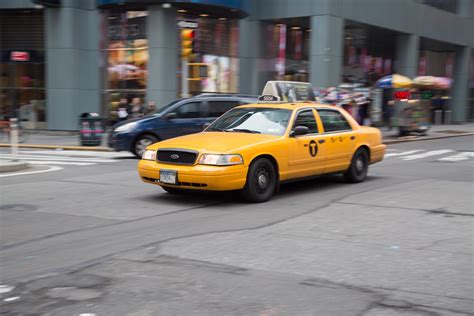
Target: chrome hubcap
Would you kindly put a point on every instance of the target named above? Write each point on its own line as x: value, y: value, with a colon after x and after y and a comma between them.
x: 142, y: 144
x: 262, y: 181
x: 359, y: 164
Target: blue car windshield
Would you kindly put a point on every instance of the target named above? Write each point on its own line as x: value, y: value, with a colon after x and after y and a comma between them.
x: 161, y: 109
x: 253, y: 120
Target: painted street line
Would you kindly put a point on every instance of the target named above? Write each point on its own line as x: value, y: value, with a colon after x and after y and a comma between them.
x: 402, y: 153
x: 64, y: 158
x: 72, y: 153
x: 458, y: 157
x: 33, y: 162
x: 52, y: 168
x: 428, y: 154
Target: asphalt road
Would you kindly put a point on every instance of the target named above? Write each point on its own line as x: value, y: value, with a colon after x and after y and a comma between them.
x: 83, y: 235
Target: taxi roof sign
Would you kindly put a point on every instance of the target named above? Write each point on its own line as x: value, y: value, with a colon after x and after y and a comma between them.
x: 288, y: 91
x: 269, y: 98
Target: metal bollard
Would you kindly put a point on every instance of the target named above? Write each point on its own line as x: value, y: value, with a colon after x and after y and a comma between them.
x: 438, y: 117
x: 447, y: 117
x: 14, y: 137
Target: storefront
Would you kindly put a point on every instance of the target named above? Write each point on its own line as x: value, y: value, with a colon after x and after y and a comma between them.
x: 22, y: 67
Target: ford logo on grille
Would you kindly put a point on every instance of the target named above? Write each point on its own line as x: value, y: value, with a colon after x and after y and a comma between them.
x: 174, y: 156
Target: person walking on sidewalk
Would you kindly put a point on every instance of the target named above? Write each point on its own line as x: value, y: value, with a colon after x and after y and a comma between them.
x: 137, y: 109
x: 122, y: 112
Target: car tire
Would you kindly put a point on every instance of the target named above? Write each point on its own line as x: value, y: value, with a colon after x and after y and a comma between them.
x: 261, y: 181
x: 171, y: 190
x: 359, y: 167
x: 142, y: 142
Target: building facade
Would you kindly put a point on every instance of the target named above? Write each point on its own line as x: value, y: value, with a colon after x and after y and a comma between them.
x: 60, y: 58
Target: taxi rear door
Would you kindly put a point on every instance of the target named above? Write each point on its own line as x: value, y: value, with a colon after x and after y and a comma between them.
x: 340, y: 139
x: 306, y: 152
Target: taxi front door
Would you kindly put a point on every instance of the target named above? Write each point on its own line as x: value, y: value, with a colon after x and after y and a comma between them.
x: 306, y: 152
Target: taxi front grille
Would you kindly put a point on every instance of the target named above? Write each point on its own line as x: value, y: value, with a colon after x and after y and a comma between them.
x: 177, y: 156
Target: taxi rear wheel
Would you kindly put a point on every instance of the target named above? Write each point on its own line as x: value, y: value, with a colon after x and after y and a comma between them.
x: 261, y: 181
x: 357, y: 171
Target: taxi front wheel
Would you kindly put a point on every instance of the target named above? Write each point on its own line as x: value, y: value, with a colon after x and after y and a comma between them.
x: 261, y: 181
x: 357, y: 171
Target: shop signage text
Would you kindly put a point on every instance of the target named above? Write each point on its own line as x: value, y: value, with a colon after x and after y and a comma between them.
x: 19, y: 56
x: 188, y: 24
x: 400, y: 95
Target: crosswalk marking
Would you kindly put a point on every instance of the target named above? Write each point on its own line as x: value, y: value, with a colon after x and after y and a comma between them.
x: 428, y: 154
x: 402, y: 153
x: 458, y: 157
x: 36, y: 162
x: 63, y: 158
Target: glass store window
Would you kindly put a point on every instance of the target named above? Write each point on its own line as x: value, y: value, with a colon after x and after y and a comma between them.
x: 215, y: 45
x: 125, y: 53
x: 369, y: 53
x: 287, y: 50
x: 22, y: 69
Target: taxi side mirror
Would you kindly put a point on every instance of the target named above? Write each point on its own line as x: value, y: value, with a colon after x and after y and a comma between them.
x: 299, y: 130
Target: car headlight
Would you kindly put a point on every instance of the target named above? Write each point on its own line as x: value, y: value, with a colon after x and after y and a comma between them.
x: 126, y: 127
x: 220, y: 160
x: 149, y: 155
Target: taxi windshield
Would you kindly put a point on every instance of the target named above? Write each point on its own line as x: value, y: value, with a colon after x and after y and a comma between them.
x: 253, y: 120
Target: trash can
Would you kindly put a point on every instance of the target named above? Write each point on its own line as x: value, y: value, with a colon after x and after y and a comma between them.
x: 91, y: 129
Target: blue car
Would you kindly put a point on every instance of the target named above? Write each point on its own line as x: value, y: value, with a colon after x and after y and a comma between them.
x: 181, y: 117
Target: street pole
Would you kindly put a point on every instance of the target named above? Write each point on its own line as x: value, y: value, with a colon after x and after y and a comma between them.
x: 14, y: 137
x: 184, y: 77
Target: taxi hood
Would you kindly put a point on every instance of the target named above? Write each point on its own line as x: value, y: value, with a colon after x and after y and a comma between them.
x: 215, y: 142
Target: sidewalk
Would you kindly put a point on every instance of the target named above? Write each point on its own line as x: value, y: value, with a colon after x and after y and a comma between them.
x: 71, y: 141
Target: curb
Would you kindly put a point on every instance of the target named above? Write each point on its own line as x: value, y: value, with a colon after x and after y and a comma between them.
x: 11, y: 166
x: 396, y: 141
x: 107, y: 149
x: 40, y: 146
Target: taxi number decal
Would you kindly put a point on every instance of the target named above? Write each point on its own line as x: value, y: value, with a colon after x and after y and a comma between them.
x: 313, y: 148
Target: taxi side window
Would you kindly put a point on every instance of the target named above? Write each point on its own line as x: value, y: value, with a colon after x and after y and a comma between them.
x: 189, y: 110
x: 334, y: 121
x: 306, y: 118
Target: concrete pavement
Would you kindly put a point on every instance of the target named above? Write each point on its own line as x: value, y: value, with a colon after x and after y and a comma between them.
x: 94, y: 239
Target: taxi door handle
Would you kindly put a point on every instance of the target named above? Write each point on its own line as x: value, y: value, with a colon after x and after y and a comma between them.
x: 321, y: 141
x: 353, y: 137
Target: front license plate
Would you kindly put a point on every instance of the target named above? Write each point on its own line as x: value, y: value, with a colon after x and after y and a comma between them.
x: 168, y: 176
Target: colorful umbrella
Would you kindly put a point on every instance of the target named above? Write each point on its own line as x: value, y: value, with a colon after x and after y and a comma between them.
x: 442, y: 83
x: 424, y: 81
x: 393, y: 81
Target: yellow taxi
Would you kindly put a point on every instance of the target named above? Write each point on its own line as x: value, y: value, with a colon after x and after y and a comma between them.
x: 255, y: 147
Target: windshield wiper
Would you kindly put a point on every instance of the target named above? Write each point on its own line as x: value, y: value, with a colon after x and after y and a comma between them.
x: 243, y: 130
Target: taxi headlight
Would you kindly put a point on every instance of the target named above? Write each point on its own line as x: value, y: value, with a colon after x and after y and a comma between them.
x: 220, y: 160
x: 126, y: 127
x: 149, y: 155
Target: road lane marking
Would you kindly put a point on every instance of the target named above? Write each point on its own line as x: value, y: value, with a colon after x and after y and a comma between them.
x: 51, y: 168
x: 402, y: 153
x: 428, y: 154
x: 458, y: 157
x: 33, y: 162
x: 35, y: 157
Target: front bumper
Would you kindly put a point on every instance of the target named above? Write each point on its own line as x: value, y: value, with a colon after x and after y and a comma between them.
x: 198, y: 177
x: 121, y: 141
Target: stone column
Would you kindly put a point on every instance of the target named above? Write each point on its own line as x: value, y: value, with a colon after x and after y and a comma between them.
x: 163, y: 50
x: 72, y: 63
x: 460, y: 88
x: 326, y: 50
x: 252, y: 76
x: 407, y: 54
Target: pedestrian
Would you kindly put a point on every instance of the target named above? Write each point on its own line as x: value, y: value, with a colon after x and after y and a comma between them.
x: 136, y: 108
x: 151, y: 107
x: 122, y: 110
